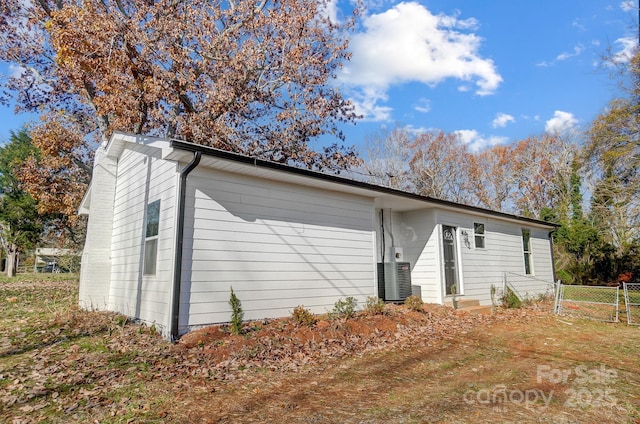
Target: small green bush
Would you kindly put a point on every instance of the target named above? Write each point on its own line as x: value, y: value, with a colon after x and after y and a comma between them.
x: 374, y: 306
x: 344, y: 308
x: 121, y: 320
x: 303, y: 316
x: 236, y: 315
x: 510, y: 299
x: 414, y: 302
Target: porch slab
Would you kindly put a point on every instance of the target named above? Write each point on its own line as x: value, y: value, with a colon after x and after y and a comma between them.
x: 471, y: 306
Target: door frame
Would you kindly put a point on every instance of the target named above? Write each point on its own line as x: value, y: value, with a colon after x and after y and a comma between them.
x: 458, y: 262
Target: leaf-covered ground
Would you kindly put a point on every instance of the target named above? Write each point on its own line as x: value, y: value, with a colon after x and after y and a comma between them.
x: 61, y: 364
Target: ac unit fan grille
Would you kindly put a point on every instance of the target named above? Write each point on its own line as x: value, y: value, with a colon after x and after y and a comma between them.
x: 394, y: 281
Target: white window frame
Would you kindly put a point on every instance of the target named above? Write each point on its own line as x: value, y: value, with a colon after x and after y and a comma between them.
x: 527, y: 252
x: 481, y: 236
x: 152, y: 231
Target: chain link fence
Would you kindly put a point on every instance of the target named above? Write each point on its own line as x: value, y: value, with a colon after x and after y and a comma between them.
x: 526, y: 286
x: 592, y: 302
x: 632, y: 302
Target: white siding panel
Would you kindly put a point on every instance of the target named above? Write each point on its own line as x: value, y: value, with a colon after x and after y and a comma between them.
x: 142, y: 179
x: 226, y: 256
x: 217, y: 249
x: 270, y: 233
x: 268, y: 295
x: 418, y: 234
x: 96, y: 266
x: 503, y: 256
x: 418, y: 237
x: 278, y: 245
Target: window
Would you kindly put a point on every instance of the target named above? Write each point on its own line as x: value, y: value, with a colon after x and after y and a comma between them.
x: 526, y: 248
x: 151, y: 238
x: 478, y: 235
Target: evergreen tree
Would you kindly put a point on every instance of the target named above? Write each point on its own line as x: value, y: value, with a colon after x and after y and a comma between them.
x: 20, y: 223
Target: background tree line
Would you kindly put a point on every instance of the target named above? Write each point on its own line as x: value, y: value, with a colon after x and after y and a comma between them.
x: 254, y: 77
x: 587, y: 184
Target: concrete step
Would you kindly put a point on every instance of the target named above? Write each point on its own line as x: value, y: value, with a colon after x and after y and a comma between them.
x: 463, y: 303
x: 471, y: 306
x: 478, y: 309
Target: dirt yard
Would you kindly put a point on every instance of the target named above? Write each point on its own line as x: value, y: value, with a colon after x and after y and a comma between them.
x: 438, y: 365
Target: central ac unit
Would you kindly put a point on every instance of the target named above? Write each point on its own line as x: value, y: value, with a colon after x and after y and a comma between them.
x: 394, y: 281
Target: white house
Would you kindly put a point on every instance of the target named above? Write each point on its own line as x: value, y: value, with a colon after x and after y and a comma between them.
x: 173, y: 226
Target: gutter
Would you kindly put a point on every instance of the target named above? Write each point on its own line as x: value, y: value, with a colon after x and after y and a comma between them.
x: 177, y: 269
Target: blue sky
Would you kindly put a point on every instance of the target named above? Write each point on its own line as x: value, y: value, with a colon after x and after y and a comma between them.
x: 495, y: 71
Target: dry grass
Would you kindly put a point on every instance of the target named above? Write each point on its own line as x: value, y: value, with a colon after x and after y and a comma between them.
x: 61, y: 364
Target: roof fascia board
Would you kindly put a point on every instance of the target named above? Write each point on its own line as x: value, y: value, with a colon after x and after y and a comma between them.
x: 85, y: 203
x: 374, y: 189
x: 120, y: 142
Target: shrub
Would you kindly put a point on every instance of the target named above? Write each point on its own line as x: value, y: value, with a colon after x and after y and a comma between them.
x: 236, y: 315
x: 510, y: 299
x: 303, y: 316
x: 414, y: 302
x: 344, y: 308
x: 374, y: 305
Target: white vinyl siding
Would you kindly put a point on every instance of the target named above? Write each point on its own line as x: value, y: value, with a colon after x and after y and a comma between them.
x: 142, y: 180
x: 502, y: 257
x: 95, y: 271
x: 278, y: 245
x: 416, y: 232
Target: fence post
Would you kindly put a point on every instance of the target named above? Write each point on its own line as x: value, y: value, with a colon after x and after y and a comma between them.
x: 617, y: 303
x: 631, y: 292
x: 556, y: 294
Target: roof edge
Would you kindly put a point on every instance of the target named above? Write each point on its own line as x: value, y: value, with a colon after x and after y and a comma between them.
x: 262, y: 163
x: 85, y: 203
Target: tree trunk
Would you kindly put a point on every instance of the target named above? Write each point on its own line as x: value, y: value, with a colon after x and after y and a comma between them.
x: 12, y: 259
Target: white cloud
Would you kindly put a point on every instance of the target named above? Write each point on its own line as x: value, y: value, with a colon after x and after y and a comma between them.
x: 454, y: 22
x: 527, y: 117
x: 476, y: 141
x: 408, y: 43
x: 576, y: 24
x: 423, y: 105
x: 502, y: 119
x: 365, y: 103
x: 330, y: 10
x: 628, y: 46
x: 562, y: 122
x: 418, y: 130
x: 577, y: 50
x: 628, y: 6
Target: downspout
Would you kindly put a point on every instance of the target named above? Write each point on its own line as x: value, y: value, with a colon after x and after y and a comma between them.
x: 553, y: 259
x: 177, y: 274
